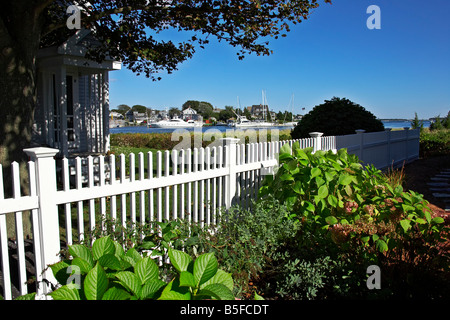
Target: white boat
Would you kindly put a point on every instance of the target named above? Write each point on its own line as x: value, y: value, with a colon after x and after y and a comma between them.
x: 176, y: 123
x: 242, y: 121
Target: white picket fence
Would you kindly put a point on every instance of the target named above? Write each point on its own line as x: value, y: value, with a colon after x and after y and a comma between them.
x: 186, y: 184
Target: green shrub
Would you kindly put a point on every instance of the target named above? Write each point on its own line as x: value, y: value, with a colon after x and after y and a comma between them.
x: 434, y: 142
x: 336, y: 117
x: 335, y: 195
x: 244, y: 241
x: 168, y: 141
x: 354, y: 214
x: 108, y: 272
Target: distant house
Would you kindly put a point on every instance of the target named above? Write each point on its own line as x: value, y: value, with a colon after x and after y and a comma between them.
x: 258, y: 110
x: 72, y: 112
x: 116, y: 115
x: 191, y: 114
x: 136, y: 117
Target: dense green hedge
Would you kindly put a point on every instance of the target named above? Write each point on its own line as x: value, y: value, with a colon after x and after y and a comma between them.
x: 168, y: 141
x: 434, y: 142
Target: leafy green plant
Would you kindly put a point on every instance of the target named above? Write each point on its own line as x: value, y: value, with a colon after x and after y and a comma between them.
x: 108, y: 272
x: 335, y: 195
x: 434, y: 142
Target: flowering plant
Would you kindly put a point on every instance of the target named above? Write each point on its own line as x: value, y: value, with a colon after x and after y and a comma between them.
x: 334, y: 194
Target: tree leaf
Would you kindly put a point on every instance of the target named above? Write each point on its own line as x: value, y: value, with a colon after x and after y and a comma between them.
x: 406, y: 224
x: 285, y: 149
x: 151, y: 288
x: 146, y: 269
x: 222, y: 277
x: 84, y: 266
x: 134, y: 255
x: 179, y: 259
x: 95, y: 283
x: 315, y: 172
x: 345, y: 179
x: 59, y: 271
x: 381, y: 245
x: 217, y: 291
x: 67, y: 292
x: 205, y: 267
x: 116, y: 294
x: 102, y: 246
x: 130, y: 281
x: 173, y: 291
x: 437, y: 220
x: 332, y: 200
x: 323, y: 192
x: 80, y: 251
x: 187, y: 279
x: 331, y: 220
x: 110, y: 261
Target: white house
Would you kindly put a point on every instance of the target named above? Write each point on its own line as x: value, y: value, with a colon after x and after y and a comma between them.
x: 191, y: 114
x: 72, y: 112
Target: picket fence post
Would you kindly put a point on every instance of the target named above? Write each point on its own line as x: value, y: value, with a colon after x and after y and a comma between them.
x: 45, y: 167
x: 361, y: 143
x: 317, y: 145
x: 230, y: 163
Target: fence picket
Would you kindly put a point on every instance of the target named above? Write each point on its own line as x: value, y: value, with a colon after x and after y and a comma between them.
x: 38, y: 265
x: 67, y: 206
x: 158, y: 190
x: 90, y: 164
x: 7, y: 294
x: 113, y: 199
x: 150, y: 192
x: 79, y: 185
x: 101, y: 164
x: 132, y: 195
x: 174, y: 187
x: 189, y: 186
x: 182, y: 194
x: 123, y: 197
x: 202, y: 187
x: 141, y: 193
x: 19, y: 231
x: 195, y: 169
x: 166, y: 189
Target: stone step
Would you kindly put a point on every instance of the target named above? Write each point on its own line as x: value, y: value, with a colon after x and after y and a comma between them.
x: 440, y: 190
x: 439, y: 184
x: 439, y: 179
x: 441, y: 195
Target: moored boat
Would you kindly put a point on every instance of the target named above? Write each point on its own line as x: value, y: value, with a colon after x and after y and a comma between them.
x: 175, y: 123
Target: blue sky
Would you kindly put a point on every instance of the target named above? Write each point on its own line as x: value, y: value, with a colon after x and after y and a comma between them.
x: 397, y: 70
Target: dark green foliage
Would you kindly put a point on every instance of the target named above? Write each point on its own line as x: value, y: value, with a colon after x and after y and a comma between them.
x: 434, y: 142
x: 336, y: 117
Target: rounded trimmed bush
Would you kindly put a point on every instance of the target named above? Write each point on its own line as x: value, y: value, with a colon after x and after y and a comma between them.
x: 336, y: 117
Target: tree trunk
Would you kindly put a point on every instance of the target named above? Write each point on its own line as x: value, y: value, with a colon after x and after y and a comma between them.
x: 20, y: 29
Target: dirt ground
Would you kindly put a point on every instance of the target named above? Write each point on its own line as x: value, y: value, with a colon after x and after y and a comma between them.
x: 418, y: 174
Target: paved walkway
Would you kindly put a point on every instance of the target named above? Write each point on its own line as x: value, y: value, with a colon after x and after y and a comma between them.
x: 440, y: 186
